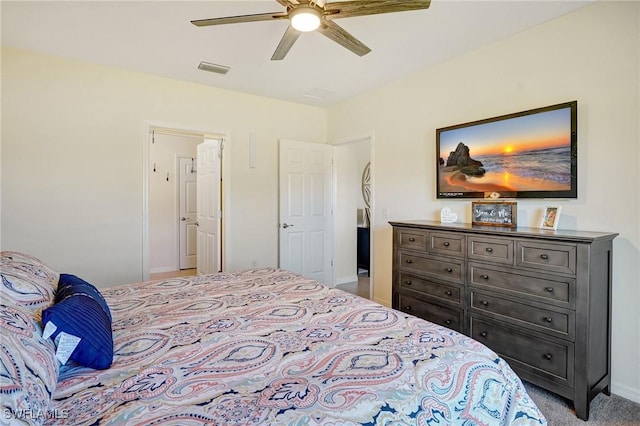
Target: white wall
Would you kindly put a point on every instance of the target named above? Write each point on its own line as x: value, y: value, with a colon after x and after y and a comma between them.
x: 591, y: 55
x: 364, y: 157
x: 72, y: 138
x: 348, y: 159
x: 164, y: 154
x: 346, y: 187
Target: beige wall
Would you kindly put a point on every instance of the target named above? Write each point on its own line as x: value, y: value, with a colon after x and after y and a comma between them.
x: 72, y: 150
x: 591, y: 55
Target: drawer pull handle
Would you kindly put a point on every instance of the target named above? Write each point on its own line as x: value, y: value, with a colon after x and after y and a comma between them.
x: 408, y: 282
x: 409, y: 261
x: 448, y: 293
x: 548, y: 319
x: 407, y: 308
x: 489, y: 250
x: 412, y: 239
x: 448, y: 322
x: 484, y: 277
x: 548, y: 356
x: 484, y: 334
x: 485, y: 303
x: 544, y: 256
x: 446, y: 244
x: 449, y: 270
x: 549, y: 289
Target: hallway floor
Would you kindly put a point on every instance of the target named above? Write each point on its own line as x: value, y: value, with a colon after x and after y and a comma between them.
x: 173, y: 274
x: 360, y: 288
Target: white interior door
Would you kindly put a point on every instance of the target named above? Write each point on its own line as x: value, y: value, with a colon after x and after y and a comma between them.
x: 188, y: 246
x: 305, y: 209
x: 208, y: 206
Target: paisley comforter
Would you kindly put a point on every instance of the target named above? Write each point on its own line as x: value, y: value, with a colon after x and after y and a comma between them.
x: 267, y: 347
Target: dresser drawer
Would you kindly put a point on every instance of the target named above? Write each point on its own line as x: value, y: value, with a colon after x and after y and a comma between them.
x: 449, y: 317
x: 446, y: 244
x: 412, y: 239
x: 497, y: 250
x: 450, y: 293
x: 545, y: 288
x: 560, y: 324
x: 550, y: 359
x: 547, y: 256
x: 446, y: 269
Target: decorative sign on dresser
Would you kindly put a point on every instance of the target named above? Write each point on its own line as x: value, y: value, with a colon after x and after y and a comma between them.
x: 539, y: 298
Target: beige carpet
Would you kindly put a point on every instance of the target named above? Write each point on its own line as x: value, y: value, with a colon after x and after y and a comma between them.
x: 605, y: 410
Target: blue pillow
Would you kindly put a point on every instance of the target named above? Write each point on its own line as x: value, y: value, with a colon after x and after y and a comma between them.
x: 70, y: 285
x: 80, y: 324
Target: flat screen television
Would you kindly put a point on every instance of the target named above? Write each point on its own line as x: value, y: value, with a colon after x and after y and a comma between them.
x: 528, y: 154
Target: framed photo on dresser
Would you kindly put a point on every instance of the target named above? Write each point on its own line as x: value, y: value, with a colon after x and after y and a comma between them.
x: 550, y: 217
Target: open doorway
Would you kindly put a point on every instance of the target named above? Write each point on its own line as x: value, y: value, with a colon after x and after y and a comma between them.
x: 353, y: 239
x: 172, y: 239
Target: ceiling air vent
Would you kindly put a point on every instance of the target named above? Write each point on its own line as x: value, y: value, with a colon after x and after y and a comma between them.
x: 219, y: 69
x: 318, y: 93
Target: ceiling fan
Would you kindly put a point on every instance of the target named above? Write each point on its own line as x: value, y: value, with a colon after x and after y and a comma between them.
x: 311, y: 15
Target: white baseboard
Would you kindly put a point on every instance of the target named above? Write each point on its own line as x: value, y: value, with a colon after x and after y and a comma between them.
x: 347, y: 280
x: 626, y: 392
x: 382, y: 302
x: 163, y: 269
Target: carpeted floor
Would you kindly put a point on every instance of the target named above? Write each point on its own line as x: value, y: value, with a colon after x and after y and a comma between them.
x: 605, y: 410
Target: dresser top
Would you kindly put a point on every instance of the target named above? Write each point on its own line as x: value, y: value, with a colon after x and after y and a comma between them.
x: 558, y: 235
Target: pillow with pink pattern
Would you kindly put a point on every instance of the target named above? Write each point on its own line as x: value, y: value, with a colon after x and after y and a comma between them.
x: 30, y: 366
x: 26, y: 281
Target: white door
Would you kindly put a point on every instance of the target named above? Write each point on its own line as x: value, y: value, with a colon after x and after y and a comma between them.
x: 188, y: 210
x: 208, y: 206
x: 305, y: 209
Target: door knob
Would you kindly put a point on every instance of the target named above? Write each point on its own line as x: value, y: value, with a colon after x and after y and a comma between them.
x: 286, y: 225
x: 183, y: 219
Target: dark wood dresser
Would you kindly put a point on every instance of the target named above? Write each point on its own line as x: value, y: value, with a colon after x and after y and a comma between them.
x: 539, y: 298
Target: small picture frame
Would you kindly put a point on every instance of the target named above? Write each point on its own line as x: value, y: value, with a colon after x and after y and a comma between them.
x: 550, y: 217
x: 494, y: 213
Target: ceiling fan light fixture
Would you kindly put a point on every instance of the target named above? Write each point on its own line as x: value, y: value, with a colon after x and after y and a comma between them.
x: 305, y: 18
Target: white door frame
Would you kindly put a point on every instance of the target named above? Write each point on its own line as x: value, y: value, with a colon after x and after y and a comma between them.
x: 361, y: 138
x: 146, y: 139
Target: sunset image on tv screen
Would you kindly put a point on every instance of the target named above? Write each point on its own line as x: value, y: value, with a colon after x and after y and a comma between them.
x: 525, y: 153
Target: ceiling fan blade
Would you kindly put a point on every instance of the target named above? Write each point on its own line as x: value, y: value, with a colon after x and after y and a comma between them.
x: 287, y: 3
x: 290, y: 36
x: 342, y: 37
x: 238, y: 19
x: 347, y: 9
x: 291, y: 3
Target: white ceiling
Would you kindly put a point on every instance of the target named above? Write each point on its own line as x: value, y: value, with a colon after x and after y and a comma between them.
x: 156, y: 37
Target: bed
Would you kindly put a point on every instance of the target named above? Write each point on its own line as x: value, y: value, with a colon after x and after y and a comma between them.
x: 256, y: 347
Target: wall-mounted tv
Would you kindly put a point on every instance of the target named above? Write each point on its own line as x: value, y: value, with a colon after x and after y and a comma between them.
x: 528, y: 154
